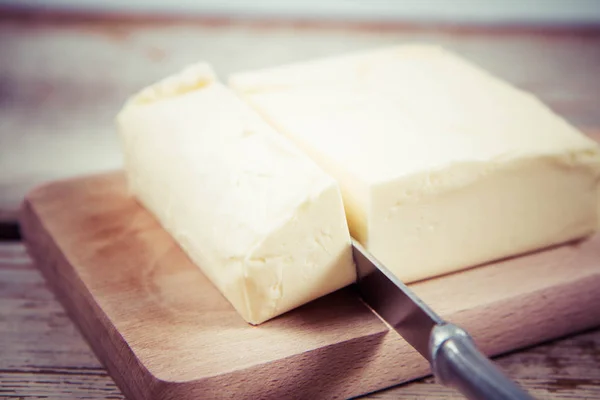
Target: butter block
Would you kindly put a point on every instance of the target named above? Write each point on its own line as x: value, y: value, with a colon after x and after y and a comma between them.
x: 442, y: 166
x: 264, y: 223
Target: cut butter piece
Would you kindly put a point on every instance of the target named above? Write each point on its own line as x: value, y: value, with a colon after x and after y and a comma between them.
x: 442, y: 166
x: 264, y: 223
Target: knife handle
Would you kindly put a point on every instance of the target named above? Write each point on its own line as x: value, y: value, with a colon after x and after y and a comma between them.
x: 457, y: 362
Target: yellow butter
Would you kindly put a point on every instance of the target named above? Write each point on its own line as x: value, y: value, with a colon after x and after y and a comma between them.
x: 260, y: 218
x: 442, y: 166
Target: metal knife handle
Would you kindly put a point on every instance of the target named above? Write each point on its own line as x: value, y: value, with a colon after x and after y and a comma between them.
x: 457, y: 362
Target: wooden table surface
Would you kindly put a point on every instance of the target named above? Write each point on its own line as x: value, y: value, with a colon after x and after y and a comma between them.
x: 63, y: 80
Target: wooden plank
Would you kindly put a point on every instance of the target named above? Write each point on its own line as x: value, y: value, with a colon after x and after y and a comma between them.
x: 163, y: 330
x: 61, y: 365
x: 43, y: 355
x: 58, y: 386
x: 57, y: 114
x: 38, y: 319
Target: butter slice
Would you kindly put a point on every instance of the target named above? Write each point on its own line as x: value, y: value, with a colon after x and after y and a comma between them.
x: 264, y: 223
x: 442, y: 166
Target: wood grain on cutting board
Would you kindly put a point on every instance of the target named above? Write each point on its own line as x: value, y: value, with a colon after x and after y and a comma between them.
x: 163, y: 331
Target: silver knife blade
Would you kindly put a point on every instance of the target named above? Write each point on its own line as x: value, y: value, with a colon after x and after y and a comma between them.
x: 394, y: 302
x: 454, y: 358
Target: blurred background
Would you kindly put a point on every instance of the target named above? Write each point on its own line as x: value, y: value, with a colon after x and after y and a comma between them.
x: 67, y: 66
x: 458, y: 11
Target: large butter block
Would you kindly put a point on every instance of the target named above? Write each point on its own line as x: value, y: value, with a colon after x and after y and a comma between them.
x: 442, y: 166
x: 260, y: 218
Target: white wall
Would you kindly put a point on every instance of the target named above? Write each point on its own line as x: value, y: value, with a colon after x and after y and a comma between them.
x: 469, y: 11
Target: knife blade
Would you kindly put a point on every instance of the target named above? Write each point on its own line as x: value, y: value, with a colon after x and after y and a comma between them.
x: 452, y: 354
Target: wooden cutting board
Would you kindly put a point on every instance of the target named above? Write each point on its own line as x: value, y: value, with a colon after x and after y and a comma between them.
x: 164, y: 332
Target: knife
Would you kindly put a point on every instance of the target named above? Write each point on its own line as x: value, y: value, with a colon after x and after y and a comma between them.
x: 454, y: 358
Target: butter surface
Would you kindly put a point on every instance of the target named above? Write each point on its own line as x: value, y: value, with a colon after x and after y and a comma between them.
x: 442, y: 166
x: 260, y: 218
